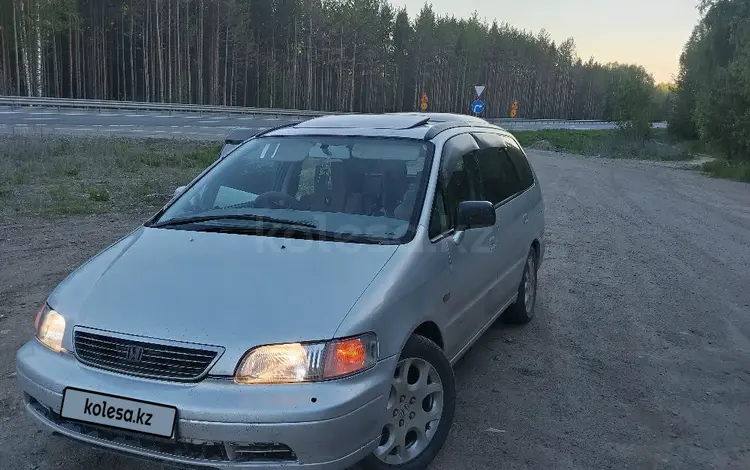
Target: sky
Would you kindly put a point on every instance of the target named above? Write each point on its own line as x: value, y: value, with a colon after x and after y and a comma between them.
x: 646, y: 32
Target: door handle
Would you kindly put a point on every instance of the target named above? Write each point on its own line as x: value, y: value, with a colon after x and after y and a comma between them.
x: 526, y: 219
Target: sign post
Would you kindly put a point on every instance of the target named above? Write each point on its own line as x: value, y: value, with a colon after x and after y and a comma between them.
x: 477, y: 107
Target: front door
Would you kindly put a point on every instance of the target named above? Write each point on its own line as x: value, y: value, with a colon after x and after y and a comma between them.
x: 473, y: 274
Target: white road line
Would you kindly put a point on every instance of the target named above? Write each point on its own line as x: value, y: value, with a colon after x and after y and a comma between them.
x: 42, y: 114
x: 9, y: 112
x: 108, y: 114
x: 74, y: 114
x: 160, y: 132
x: 138, y: 130
x: 136, y: 115
x: 176, y: 132
x: 42, y: 119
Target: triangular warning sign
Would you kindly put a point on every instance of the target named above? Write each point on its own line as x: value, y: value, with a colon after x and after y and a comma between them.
x: 479, y: 89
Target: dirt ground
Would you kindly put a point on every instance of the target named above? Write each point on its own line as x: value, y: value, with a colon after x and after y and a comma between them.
x: 639, y: 356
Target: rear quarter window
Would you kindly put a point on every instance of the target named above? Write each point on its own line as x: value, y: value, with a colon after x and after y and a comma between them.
x: 522, y: 165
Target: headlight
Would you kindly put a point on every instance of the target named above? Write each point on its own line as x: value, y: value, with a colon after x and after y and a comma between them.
x: 307, y: 362
x: 50, y: 327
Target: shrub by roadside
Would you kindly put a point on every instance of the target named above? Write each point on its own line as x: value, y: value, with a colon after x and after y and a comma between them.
x: 728, y: 170
x: 609, y: 143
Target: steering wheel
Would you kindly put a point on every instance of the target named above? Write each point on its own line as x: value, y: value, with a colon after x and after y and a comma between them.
x: 275, y: 200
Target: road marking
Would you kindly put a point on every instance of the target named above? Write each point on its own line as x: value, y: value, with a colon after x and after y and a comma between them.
x: 177, y: 132
x: 9, y: 112
x: 159, y: 132
x: 109, y: 114
x: 138, y: 130
x: 42, y: 114
x: 42, y: 119
x: 74, y: 114
x: 136, y: 115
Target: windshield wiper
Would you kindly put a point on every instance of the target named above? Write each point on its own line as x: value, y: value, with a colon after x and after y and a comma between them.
x: 253, y: 217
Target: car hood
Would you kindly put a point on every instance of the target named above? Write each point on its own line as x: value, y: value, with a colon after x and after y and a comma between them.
x: 234, y: 291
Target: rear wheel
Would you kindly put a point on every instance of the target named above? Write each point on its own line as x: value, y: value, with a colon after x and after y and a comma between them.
x: 522, y: 310
x: 420, y: 409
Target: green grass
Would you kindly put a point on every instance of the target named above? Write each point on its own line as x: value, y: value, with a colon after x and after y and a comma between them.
x: 727, y: 170
x: 607, y: 143
x: 84, y: 175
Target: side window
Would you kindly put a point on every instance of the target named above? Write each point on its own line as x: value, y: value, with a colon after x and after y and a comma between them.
x: 522, y: 165
x: 459, y: 180
x: 499, y: 177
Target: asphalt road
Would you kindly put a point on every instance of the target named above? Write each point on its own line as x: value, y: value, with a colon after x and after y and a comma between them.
x: 146, y: 124
x: 638, y: 357
x: 175, y: 125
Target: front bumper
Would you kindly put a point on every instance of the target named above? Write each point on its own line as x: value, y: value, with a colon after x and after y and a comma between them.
x: 220, y: 424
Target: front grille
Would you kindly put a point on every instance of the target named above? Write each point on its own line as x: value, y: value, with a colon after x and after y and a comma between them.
x: 216, y: 451
x: 143, y: 359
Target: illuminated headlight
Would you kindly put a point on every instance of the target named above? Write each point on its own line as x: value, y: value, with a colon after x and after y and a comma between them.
x: 307, y: 362
x: 50, y: 328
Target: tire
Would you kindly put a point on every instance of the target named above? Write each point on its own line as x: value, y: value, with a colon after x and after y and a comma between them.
x: 522, y: 310
x: 419, y: 355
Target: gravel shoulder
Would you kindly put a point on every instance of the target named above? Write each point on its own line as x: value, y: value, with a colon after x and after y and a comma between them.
x: 639, y: 356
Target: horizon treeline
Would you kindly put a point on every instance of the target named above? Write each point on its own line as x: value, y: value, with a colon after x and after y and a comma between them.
x: 329, y: 55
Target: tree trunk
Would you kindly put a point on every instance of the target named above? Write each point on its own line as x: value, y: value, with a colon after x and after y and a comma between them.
x: 18, y: 62
x: 39, y: 82
x: 160, y: 53
x: 25, y: 52
x: 146, y: 48
x: 133, y: 85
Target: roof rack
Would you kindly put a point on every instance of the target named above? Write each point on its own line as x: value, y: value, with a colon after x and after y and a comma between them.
x: 444, y: 126
x: 271, y: 129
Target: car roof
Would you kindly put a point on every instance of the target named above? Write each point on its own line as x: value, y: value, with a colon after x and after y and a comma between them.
x: 422, y: 126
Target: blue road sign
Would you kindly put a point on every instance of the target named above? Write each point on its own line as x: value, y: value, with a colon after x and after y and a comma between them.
x: 477, y: 107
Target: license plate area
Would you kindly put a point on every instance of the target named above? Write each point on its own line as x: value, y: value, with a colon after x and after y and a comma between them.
x: 116, y: 412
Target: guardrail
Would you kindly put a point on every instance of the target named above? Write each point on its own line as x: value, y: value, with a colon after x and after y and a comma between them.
x: 101, y: 105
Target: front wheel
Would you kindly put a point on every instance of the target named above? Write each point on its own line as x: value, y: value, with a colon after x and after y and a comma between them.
x: 420, y: 409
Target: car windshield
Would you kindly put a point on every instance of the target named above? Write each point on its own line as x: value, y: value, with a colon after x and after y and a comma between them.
x: 365, y: 188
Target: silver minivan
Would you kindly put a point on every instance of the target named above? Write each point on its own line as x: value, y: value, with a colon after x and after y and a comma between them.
x: 300, y: 303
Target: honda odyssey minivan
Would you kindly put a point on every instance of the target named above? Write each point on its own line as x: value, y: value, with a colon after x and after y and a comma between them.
x: 299, y: 304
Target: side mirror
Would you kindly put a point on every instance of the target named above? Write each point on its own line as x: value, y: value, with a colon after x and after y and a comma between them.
x: 178, y: 191
x: 475, y: 214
